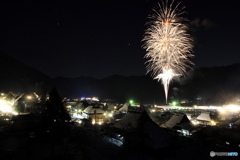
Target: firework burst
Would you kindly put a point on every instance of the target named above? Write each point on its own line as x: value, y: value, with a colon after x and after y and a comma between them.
x: 167, y: 44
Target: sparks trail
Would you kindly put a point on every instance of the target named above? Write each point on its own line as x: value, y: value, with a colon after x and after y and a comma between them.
x: 167, y: 44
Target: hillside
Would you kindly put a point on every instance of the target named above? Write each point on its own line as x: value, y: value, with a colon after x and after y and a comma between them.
x: 216, y: 85
x: 18, y: 77
x: 211, y: 85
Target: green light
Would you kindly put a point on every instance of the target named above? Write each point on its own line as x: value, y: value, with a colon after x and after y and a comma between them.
x: 131, y: 101
x: 174, y: 103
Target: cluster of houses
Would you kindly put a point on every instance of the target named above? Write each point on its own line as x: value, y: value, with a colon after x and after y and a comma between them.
x: 135, y: 124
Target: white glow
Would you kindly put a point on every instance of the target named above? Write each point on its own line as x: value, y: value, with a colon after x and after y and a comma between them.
x: 29, y: 97
x: 15, y: 113
x: 213, y: 123
x: 221, y: 110
x: 233, y: 108
x: 95, y: 99
x: 6, y: 106
x: 195, y: 122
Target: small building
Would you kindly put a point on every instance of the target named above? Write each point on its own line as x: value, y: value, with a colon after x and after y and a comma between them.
x: 93, y: 113
x: 204, y: 118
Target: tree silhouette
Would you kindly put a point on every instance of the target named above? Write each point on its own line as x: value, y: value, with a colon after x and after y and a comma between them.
x: 55, y: 109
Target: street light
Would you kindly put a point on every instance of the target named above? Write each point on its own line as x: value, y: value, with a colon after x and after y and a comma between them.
x: 174, y: 103
x: 131, y: 101
x: 29, y: 97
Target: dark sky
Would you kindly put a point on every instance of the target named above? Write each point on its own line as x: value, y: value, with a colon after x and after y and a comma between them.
x: 99, y: 38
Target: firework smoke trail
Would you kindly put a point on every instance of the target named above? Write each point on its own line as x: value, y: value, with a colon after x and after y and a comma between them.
x: 167, y: 44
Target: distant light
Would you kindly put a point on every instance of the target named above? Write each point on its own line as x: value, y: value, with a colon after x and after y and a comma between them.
x: 15, y: 113
x: 131, y: 101
x: 213, y: 123
x: 221, y: 110
x: 2, y: 101
x: 29, y: 97
x: 95, y: 99
x: 82, y: 98
x: 195, y: 122
x: 5, y: 106
x: 233, y: 108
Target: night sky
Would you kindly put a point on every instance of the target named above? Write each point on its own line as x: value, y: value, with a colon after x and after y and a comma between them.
x: 96, y: 38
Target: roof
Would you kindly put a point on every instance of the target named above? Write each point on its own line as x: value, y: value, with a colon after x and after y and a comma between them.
x: 176, y: 119
x: 129, y: 121
x: 157, y: 137
x: 204, y: 117
x: 91, y: 110
x: 237, y: 122
x: 80, y: 106
x: 124, y: 107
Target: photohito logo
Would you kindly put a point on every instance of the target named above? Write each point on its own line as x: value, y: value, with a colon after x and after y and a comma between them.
x: 212, y: 153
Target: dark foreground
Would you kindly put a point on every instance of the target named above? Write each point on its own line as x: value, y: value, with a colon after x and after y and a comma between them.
x: 82, y: 144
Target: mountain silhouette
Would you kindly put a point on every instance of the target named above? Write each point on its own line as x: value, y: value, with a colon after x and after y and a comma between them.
x: 20, y: 78
x: 206, y: 85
